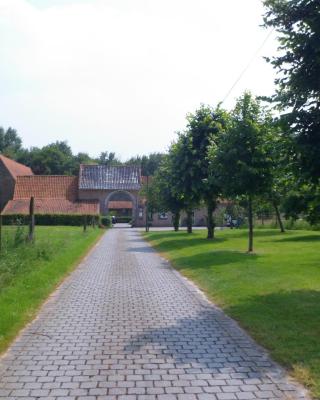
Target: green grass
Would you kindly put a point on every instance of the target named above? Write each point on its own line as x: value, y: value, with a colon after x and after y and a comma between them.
x: 274, y: 293
x: 30, y: 272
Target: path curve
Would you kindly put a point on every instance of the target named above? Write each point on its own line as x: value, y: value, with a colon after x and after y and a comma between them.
x: 124, y: 325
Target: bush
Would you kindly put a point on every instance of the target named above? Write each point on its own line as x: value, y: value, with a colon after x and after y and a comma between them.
x: 105, y: 221
x: 50, y: 219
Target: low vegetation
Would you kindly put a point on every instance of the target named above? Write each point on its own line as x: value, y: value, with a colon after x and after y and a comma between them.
x: 273, y: 293
x: 30, y: 272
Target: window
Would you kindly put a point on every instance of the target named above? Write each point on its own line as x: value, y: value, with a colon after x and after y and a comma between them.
x: 140, y: 213
x: 163, y: 215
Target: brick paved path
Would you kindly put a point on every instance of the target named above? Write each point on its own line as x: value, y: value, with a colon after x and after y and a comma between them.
x: 124, y: 325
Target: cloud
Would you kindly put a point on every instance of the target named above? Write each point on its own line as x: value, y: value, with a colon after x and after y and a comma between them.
x: 121, y: 75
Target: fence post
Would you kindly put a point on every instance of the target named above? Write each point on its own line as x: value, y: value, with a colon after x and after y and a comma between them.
x: 31, y: 220
x: 84, y: 223
x: 0, y: 233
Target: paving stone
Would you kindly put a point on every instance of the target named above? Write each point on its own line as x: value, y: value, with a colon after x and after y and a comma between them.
x: 125, y: 326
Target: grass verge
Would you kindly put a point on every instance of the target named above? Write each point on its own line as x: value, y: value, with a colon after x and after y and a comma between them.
x: 30, y: 272
x: 274, y: 294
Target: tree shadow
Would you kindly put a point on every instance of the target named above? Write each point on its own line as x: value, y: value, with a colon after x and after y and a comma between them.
x: 181, y: 242
x: 214, y: 258
x: 288, y: 324
x: 210, y: 347
x: 303, y: 238
x: 141, y: 249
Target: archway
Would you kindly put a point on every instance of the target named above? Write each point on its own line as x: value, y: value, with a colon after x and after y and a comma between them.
x: 122, y: 205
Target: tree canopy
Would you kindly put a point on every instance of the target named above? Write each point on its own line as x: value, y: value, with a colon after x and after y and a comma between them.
x: 298, y: 85
x: 242, y: 161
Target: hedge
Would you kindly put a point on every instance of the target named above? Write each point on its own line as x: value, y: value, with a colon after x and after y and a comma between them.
x: 123, y: 219
x: 106, y: 221
x: 50, y: 219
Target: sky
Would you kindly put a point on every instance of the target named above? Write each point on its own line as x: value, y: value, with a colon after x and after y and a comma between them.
x: 121, y: 75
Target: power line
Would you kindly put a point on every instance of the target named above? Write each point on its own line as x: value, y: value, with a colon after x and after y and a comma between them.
x: 248, y: 65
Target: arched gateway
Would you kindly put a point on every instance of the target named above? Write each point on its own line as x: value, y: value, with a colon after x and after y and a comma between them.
x: 121, y: 204
x: 114, y: 187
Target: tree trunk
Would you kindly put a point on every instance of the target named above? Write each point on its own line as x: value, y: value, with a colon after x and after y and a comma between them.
x: 176, y: 220
x: 250, y: 215
x: 189, y: 221
x: 278, y: 217
x: 147, y: 217
x: 210, y: 221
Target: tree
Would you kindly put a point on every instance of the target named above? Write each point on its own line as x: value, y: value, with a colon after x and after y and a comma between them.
x: 241, y: 160
x: 81, y: 158
x: 205, y: 127
x: 298, y: 85
x: 148, y: 163
x: 108, y: 159
x: 53, y: 159
x: 278, y: 147
x: 184, y: 188
x: 10, y: 142
x: 164, y: 198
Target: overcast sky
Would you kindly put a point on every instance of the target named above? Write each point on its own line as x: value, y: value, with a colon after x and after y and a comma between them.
x: 120, y: 75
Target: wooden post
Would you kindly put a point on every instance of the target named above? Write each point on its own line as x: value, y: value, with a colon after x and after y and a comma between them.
x: 147, y: 210
x: 31, y: 220
x: 85, y: 223
x: 0, y: 233
x: 250, y: 220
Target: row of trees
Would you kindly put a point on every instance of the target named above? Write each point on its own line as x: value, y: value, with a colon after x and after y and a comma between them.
x: 246, y: 154
x: 58, y: 159
x: 232, y: 155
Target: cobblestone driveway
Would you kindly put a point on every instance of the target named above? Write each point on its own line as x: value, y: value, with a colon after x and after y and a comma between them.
x: 124, y: 325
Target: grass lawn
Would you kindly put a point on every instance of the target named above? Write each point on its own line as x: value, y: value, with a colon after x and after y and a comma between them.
x: 30, y: 272
x: 274, y: 293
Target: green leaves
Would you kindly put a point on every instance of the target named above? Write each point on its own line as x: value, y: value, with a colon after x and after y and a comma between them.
x: 241, y: 161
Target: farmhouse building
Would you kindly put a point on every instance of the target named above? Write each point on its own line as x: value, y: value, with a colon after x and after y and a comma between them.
x: 99, y: 189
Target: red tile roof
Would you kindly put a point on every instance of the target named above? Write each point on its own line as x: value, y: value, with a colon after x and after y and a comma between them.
x: 14, y: 167
x: 53, y: 194
x: 52, y: 206
x: 119, y: 204
x: 46, y: 186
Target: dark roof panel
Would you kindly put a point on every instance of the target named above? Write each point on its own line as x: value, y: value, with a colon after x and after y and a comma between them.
x: 101, y: 177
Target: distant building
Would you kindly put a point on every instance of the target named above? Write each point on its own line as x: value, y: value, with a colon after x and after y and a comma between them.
x: 9, y: 171
x: 99, y: 189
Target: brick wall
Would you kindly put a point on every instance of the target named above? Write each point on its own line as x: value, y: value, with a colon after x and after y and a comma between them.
x: 102, y: 196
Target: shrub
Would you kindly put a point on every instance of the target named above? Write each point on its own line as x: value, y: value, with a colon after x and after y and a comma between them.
x: 105, y: 221
x: 50, y: 219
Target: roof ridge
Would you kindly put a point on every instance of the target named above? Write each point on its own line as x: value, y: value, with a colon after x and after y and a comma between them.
x: 110, y: 166
x: 48, y: 176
